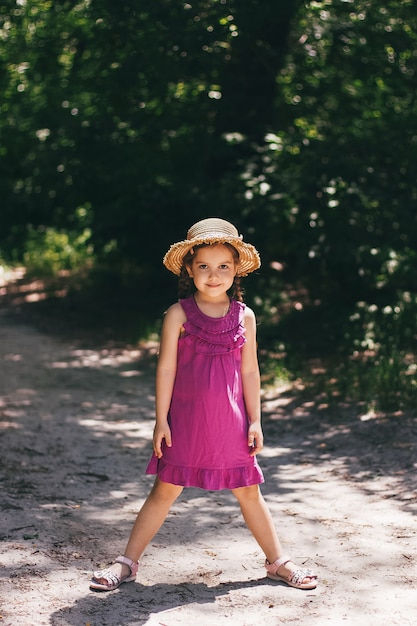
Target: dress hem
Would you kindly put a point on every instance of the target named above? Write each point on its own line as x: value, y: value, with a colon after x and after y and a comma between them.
x: 208, y: 479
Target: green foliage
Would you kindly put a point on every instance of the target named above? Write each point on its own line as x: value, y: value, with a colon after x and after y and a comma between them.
x: 336, y: 179
x: 274, y: 371
x: 337, y: 175
x: 49, y: 252
x: 383, y: 381
x: 381, y: 367
x: 126, y: 107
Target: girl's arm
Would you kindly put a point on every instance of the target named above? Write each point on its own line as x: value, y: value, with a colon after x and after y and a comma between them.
x: 165, y: 374
x: 251, y: 382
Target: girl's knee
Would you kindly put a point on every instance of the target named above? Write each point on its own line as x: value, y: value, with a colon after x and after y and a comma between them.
x: 166, y: 491
x: 244, y: 494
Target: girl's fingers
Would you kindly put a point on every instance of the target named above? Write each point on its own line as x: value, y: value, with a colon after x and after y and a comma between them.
x: 157, y: 446
x: 255, y: 445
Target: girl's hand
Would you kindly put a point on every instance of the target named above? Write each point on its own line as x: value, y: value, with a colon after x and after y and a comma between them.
x: 255, y: 438
x: 161, y: 431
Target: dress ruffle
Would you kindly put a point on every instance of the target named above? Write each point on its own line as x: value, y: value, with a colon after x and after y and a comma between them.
x: 208, y: 335
x: 209, y: 479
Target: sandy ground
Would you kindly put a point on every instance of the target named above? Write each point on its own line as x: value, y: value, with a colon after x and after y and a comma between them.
x: 76, y: 427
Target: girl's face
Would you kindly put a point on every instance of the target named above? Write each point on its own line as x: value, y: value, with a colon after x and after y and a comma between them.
x: 213, y: 270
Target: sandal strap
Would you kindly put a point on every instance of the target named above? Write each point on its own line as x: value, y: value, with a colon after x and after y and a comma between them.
x: 298, y: 576
x: 110, y: 577
x: 273, y: 567
x: 132, y: 565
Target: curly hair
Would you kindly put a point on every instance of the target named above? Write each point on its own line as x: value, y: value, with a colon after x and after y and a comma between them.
x: 186, y: 284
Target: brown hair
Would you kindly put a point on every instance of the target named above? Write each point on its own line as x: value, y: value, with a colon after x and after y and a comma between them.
x: 186, y: 284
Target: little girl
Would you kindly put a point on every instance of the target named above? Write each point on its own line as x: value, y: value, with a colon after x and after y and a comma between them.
x: 208, y: 420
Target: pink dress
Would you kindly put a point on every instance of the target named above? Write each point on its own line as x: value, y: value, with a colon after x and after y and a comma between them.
x: 207, y: 416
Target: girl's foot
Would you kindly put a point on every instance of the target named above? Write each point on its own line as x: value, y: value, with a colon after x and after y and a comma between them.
x: 123, y: 570
x: 285, y: 571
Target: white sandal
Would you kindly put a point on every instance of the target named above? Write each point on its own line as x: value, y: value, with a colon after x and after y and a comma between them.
x: 113, y: 580
x: 294, y: 579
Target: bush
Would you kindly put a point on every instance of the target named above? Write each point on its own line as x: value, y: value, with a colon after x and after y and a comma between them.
x: 49, y: 251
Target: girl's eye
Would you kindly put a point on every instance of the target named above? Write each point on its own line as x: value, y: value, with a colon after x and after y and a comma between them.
x: 204, y: 266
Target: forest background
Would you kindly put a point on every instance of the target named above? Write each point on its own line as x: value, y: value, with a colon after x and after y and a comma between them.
x: 122, y: 123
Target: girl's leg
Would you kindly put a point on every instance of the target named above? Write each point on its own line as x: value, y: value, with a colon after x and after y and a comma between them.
x: 148, y: 521
x: 259, y: 521
x: 151, y: 517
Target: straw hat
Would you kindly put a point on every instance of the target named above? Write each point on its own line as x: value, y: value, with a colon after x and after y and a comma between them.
x: 210, y: 231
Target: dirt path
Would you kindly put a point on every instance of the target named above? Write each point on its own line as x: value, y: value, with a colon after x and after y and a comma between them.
x: 75, y: 436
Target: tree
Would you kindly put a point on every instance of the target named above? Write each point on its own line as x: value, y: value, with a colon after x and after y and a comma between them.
x: 122, y: 113
x: 336, y: 179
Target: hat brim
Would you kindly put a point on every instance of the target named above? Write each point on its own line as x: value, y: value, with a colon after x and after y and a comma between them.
x: 249, y: 259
